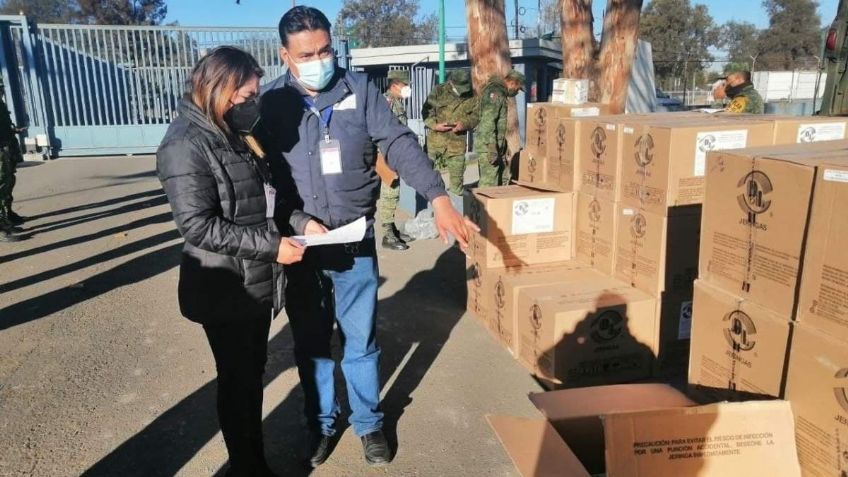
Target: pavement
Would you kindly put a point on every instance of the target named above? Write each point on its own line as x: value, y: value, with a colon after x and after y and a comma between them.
x: 101, y: 376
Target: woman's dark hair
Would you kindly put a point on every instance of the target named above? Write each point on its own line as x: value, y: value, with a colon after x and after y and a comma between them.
x: 300, y: 19
x: 216, y: 77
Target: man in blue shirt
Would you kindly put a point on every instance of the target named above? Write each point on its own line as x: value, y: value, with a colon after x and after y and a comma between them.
x: 323, y: 122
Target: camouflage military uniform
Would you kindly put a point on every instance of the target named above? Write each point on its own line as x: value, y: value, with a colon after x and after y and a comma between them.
x: 452, y: 102
x: 10, y: 156
x: 747, y: 101
x: 390, y: 195
x: 490, y: 135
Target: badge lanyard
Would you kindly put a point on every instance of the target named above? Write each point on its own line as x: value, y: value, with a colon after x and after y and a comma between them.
x: 329, y: 150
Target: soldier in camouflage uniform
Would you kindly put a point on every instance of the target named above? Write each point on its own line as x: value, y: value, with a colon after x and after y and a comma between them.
x: 397, y: 92
x: 743, y: 97
x: 10, y: 156
x: 450, y: 112
x: 490, y: 135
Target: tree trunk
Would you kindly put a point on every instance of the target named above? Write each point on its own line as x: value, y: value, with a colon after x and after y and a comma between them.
x: 578, y: 43
x: 488, y: 49
x: 618, y: 50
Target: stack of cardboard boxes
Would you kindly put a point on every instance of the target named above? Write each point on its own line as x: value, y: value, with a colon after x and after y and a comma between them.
x: 586, y: 272
x: 771, y: 302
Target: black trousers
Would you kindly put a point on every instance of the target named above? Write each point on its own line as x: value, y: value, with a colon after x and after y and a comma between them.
x: 241, y: 350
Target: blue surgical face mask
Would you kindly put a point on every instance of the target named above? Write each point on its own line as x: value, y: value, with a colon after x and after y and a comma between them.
x: 316, y: 74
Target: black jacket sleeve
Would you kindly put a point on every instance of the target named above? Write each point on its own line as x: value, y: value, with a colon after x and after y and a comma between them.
x: 192, y: 191
x: 400, y: 147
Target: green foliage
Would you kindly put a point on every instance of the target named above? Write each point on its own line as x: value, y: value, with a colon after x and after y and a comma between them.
x: 44, y: 11
x: 793, y: 37
x: 377, y: 23
x: 741, y: 42
x: 94, y: 12
x: 681, y: 35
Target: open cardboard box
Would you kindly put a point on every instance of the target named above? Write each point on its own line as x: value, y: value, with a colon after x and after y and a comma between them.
x: 649, y: 430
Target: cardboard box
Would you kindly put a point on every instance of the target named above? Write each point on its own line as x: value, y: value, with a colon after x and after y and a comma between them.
x: 817, y: 387
x: 601, y: 145
x: 562, y: 163
x: 542, y: 116
x: 570, y: 91
x: 588, y: 332
x: 798, y: 130
x: 756, y: 216
x: 658, y: 253
x: 674, y: 333
x: 520, y: 226
x: 663, y: 162
x: 739, y: 348
x: 493, y: 292
x: 823, y: 301
x: 595, y: 232
x: 648, y: 430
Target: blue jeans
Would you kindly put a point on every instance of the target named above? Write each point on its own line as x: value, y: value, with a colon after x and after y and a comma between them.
x: 337, y: 284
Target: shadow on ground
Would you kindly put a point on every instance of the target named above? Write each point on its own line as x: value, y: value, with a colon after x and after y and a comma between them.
x: 414, y: 325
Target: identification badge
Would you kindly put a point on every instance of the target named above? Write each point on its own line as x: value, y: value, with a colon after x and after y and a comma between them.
x: 270, y: 201
x: 331, y: 157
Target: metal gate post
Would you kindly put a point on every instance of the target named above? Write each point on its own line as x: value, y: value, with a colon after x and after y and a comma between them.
x: 34, y: 79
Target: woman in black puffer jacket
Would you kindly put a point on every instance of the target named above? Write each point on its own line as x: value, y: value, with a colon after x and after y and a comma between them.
x: 218, y: 185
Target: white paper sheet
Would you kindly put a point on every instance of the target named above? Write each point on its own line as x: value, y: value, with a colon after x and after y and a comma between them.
x: 352, y: 232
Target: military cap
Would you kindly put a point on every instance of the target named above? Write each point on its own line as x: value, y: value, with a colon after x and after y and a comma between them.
x: 399, y: 75
x: 516, y: 76
x: 460, y: 77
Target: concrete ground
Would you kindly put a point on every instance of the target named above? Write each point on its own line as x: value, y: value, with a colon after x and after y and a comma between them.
x: 101, y: 376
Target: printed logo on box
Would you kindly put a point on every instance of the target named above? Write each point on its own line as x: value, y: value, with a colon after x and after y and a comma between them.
x: 476, y: 276
x: 754, y: 198
x: 560, y: 136
x: 594, y: 211
x: 638, y: 225
x: 500, y: 293
x: 531, y: 165
x: 607, y: 326
x: 599, y: 141
x: 536, y: 318
x: 541, y: 117
x: 740, y: 331
x: 841, y: 392
x: 644, y: 150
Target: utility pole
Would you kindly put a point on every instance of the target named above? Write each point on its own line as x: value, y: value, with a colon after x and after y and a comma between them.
x: 441, y: 41
x: 516, y: 20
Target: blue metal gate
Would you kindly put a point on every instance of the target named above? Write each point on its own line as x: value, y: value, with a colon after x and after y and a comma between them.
x: 103, y: 90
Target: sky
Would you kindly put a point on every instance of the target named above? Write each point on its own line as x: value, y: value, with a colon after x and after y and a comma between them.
x: 266, y: 13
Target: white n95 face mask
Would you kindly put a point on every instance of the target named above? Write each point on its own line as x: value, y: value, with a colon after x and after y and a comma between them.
x: 316, y: 74
x: 405, y: 92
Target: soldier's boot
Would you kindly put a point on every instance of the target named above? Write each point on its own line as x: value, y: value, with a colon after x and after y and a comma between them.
x: 12, y: 217
x: 391, y: 238
x: 7, y: 230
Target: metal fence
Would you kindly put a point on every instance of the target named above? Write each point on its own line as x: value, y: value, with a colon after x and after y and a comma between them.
x: 95, y: 90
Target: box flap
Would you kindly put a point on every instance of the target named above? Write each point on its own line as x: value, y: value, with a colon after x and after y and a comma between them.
x: 575, y: 413
x: 535, y: 448
x: 600, y: 400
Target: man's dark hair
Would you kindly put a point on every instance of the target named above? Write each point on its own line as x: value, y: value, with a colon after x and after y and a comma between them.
x: 300, y: 19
